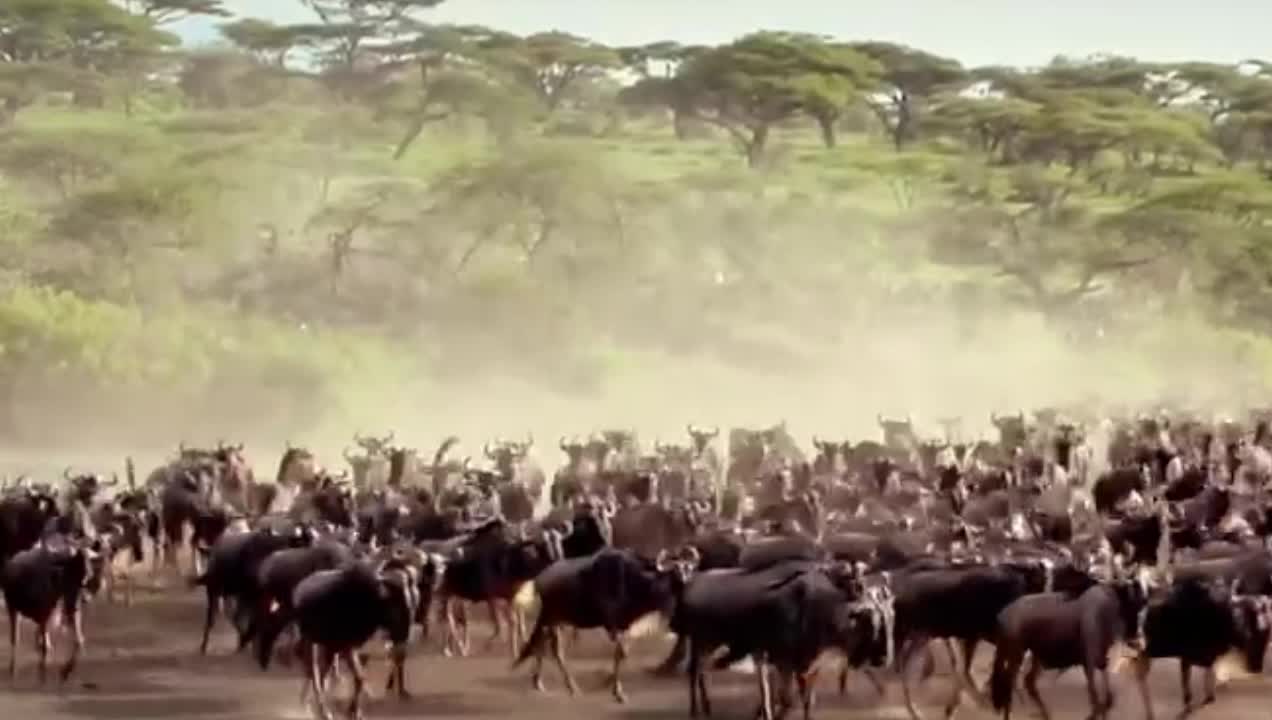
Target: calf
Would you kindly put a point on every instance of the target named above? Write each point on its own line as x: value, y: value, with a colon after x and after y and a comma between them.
x: 36, y: 581
x: 1199, y: 623
x: 611, y: 590
x: 337, y: 611
x: 1058, y: 631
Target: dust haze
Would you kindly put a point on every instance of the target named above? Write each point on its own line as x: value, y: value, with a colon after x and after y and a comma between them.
x: 823, y: 370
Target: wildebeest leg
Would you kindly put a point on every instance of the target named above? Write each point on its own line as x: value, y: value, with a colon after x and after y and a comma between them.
x: 1185, y: 685
x: 620, y: 654
x: 359, y: 681
x: 317, y: 678
x: 13, y: 643
x: 492, y: 605
x: 42, y: 646
x: 697, y: 681
x: 957, y: 687
x: 807, y: 685
x: 451, y: 644
x: 1093, y: 695
x: 766, y: 690
x: 1031, y: 686
x: 903, y: 669
x: 559, y: 655
x: 969, y: 646
x: 209, y: 618
x: 1210, y: 686
x: 668, y: 666
x: 75, y: 625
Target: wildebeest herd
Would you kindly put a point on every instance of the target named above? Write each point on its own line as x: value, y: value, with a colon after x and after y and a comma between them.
x: 1063, y: 542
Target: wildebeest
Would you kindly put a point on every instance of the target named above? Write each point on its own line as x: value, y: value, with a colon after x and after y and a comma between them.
x: 232, y: 572
x: 1058, y: 631
x: 58, y: 572
x: 338, y: 610
x: 611, y: 590
x: 1198, y: 623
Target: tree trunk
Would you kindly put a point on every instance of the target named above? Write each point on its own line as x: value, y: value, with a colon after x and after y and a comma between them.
x: 826, y: 123
x: 756, y: 146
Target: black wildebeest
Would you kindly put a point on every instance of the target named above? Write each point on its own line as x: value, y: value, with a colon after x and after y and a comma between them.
x: 337, y: 611
x: 232, y: 572
x: 1058, y: 631
x: 611, y: 590
x: 57, y: 572
x: 1199, y: 623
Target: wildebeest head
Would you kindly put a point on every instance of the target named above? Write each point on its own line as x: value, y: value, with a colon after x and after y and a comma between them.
x: 334, y: 499
x: 700, y: 437
x: 83, y: 487
x: 1013, y: 433
x: 673, y: 456
x: 619, y: 441
x: 679, y: 566
x: 898, y: 434
x: 505, y: 454
x: 400, y: 594
x: 295, y: 467
x: 574, y: 451
x: 827, y: 452
x: 373, y: 446
x: 231, y: 467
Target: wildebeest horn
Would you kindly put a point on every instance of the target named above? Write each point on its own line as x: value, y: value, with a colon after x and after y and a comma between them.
x: 467, y: 461
x: 561, y: 444
x: 358, y: 438
x: 114, y: 480
x: 715, y: 430
x: 694, y: 556
x: 661, y: 562
x: 486, y: 449
x: 529, y: 443
x: 390, y: 437
x: 66, y: 474
x: 879, y: 418
x: 816, y: 442
x: 993, y: 418
x: 690, y: 429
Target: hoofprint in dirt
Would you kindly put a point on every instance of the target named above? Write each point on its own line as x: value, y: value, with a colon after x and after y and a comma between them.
x: 142, y: 663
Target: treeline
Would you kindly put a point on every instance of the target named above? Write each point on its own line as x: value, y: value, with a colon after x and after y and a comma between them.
x: 462, y: 200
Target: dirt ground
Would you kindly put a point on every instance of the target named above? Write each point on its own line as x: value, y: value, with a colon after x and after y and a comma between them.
x: 141, y: 663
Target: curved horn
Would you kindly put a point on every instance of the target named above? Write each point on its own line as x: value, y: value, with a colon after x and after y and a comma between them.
x: 467, y: 461
x: 529, y: 443
x: 181, y: 448
x: 561, y: 444
x: 390, y: 437
x: 347, y: 455
x: 879, y: 418
x: 715, y: 430
x: 816, y: 442
x: 66, y: 474
x: 114, y: 480
x: 358, y: 438
x: 993, y: 418
x: 689, y: 428
x: 489, y: 453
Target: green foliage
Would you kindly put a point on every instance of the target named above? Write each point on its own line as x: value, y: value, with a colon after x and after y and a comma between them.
x: 322, y: 209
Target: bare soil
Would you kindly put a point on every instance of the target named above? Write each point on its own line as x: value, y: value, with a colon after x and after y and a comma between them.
x: 141, y: 663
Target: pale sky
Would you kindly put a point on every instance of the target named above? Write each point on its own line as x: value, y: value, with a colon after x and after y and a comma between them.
x: 976, y: 32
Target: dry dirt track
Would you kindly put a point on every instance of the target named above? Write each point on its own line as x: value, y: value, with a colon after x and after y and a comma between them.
x: 141, y: 664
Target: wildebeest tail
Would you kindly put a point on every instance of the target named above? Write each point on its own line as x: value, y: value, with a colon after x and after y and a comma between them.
x: 1002, y: 680
x: 537, y: 636
x: 268, y: 627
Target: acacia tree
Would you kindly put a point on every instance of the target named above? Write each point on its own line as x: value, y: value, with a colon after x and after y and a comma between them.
x: 758, y: 81
x: 550, y: 65
x: 656, y: 66
x: 909, y: 79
